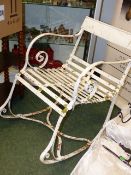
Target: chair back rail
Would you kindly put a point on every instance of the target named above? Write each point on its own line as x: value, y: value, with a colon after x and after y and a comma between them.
x: 107, y: 32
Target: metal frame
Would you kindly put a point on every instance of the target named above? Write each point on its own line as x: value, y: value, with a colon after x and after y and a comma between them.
x: 76, y: 82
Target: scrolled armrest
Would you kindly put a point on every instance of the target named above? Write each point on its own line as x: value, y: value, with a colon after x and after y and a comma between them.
x: 40, y: 36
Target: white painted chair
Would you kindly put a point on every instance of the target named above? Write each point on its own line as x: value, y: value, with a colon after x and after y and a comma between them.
x: 76, y: 82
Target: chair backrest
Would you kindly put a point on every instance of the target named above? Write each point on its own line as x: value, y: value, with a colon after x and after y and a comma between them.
x: 104, y: 31
x: 107, y: 32
x: 108, y: 83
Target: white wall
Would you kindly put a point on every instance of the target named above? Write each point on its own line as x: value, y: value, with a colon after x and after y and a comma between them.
x: 54, y: 16
x: 62, y: 52
x: 115, y: 53
x: 108, y: 12
x: 105, y: 11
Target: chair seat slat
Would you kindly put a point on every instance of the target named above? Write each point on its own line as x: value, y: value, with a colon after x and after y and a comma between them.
x: 108, y: 76
x: 44, y: 88
x: 54, y: 87
x: 41, y: 96
x: 80, y: 60
x: 75, y: 66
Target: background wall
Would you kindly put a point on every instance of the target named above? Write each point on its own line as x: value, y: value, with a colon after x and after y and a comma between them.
x: 112, y: 12
x: 106, y: 11
x: 116, y: 53
x: 53, y: 17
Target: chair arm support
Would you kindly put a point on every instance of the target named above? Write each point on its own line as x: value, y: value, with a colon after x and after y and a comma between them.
x: 76, y: 86
x: 40, y: 36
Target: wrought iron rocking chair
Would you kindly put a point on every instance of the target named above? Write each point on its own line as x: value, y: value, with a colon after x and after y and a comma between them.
x: 76, y: 82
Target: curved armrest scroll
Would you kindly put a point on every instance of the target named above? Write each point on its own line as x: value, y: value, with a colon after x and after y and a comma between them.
x: 41, y: 58
x: 40, y: 36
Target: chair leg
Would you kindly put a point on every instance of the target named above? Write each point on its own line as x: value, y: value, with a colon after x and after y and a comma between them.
x: 52, y: 146
x: 45, y: 154
x: 2, y: 108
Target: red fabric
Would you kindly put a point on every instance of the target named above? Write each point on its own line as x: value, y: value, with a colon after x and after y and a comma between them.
x: 33, y: 51
x: 54, y: 64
